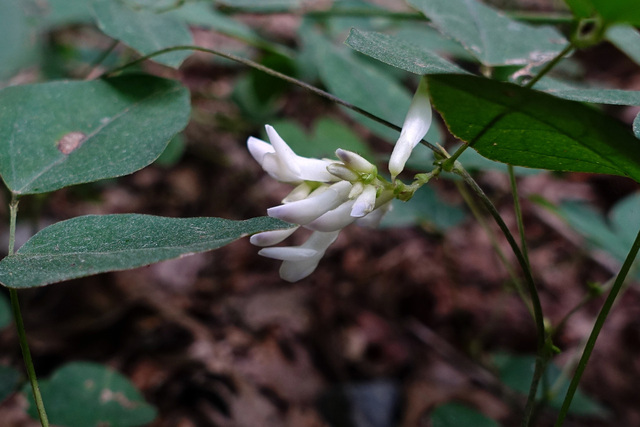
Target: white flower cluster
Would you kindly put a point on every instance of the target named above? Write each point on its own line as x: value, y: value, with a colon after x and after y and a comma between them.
x: 329, y: 195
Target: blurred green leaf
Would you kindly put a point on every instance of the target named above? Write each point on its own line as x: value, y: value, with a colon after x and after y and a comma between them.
x: 5, y: 312
x: 83, y: 394
x: 427, y: 38
x: 400, y: 54
x: 144, y: 30
x: 489, y: 35
x: 457, y: 415
x: 515, y: 125
x: 173, y: 153
x: 627, y: 39
x: 17, y: 37
x: 94, y: 244
x: 203, y: 14
x: 611, y: 11
x: 598, y: 96
x: 62, y: 133
x: 263, y: 5
x: 9, y: 380
x: 473, y: 161
x: 354, y: 80
x: 517, y: 373
x: 613, y: 235
x: 64, y: 12
x: 426, y: 209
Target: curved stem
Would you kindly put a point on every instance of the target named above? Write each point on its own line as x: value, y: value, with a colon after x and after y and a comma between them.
x: 271, y: 72
x: 518, y: 212
x: 597, y: 327
x: 17, y: 315
x: 568, y: 48
x: 544, y: 344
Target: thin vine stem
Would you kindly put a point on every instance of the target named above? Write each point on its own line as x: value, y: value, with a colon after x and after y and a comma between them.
x: 17, y: 316
x: 518, y: 212
x: 100, y: 59
x: 549, y: 65
x: 597, y: 327
x: 273, y: 73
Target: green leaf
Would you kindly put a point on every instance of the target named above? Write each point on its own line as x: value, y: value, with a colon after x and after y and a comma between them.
x: 16, y: 35
x: 489, y: 35
x: 5, y: 312
x: 264, y: 5
x: 144, y: 30
x: 517, y: 373
x: 98, y: 243
x: 457, y: 415
x: 64, y: 12
x: 611, y: 11
x: 9, y: 379
x: 204, y: 15
x: 523, y: 127
x: 627, y: 39
x: 354, y: 80
x: 599, y: 96
x: 83, y: 394
x: 613, y: 235
x: 400, y: 54
x: 117, y: 125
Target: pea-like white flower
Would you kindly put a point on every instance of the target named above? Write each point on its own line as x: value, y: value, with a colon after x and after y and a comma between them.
x: 329, y: 196
x: 301, y: 261
x: 279, y: 160
x: 415, y: 127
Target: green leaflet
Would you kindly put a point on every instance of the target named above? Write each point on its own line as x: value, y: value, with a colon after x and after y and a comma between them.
x: 98, y: 243
x: 523, y: 127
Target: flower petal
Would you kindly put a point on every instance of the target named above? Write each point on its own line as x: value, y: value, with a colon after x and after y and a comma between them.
x: 289, y: 253
x: 373, y: 219
x: 355, y: 161
x: 415, y: 127
x: 334, y: 220
x: 304, y: 211
x: 365, y: 203
x: 270, y: 238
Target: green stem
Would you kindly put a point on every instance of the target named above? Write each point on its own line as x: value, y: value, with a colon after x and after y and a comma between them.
x: 95, y: 64
x: 549, y: 65
x: 597, y: 327
x: 17, y: 315
x: 518, y: 212
x: 544, y: 345
x: 475, y: 210
x: 271, y: 72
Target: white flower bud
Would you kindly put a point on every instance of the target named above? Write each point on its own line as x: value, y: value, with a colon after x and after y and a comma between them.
x: 269, y: 238
x: 355, y: 161
x: 334, y: 220
x: 304, y: 211
x: 365, y: 203
x: 415, y: 127
x: 341, y: 171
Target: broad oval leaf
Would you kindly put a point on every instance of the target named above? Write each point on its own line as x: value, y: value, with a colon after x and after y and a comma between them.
x: 82, y: 394
x: 144, y: 29
x: 18, y: 38
x: 611, y: 11
x: 523, y: 127
x: 57, y: 134
x: 400, y: 54
x: 489, y: 35
x: 94, y: 244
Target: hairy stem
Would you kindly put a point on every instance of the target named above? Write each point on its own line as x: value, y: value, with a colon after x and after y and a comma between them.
x: 17, y: 316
